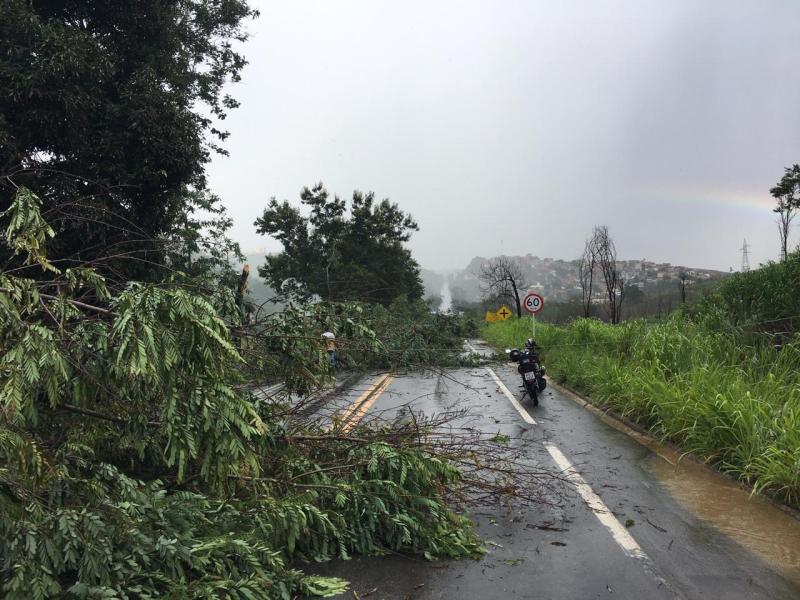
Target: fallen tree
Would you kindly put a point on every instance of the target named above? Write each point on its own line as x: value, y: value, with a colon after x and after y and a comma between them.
x: 136, y: 463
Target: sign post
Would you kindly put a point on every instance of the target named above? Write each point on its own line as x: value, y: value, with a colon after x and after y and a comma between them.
x: 533, y: 303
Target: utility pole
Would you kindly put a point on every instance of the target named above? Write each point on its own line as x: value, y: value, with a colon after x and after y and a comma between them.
x: 745, y: 257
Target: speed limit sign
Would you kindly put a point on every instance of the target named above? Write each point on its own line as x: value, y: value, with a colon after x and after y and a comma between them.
x: 532, y: 303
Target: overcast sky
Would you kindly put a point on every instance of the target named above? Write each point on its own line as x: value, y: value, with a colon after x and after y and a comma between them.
x: 513, y: 127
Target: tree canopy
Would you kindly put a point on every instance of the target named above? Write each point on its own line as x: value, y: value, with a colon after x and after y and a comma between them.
x: 109, y: 113
x: 339, y: 254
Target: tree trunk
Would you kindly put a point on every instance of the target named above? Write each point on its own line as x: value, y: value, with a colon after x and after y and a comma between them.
x: 516, y: 298
x: 242, y: 287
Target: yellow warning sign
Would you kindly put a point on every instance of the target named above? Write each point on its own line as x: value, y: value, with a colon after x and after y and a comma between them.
x: 504, y: 313
x: 491, y: 317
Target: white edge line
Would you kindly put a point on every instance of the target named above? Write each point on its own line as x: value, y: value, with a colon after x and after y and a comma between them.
x: 618, y: 532
x: 621, y: 536
x: 594, y: 502
x: 515, y: 403
x: 471, y: 347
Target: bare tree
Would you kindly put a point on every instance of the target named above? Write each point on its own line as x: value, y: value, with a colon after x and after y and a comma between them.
x: 503, y: 277
x: 586, y: 268
x: 683, y: 279
x: 607, y: 260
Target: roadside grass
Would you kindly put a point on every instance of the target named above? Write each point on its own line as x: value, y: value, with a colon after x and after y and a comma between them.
x: 734, y: 404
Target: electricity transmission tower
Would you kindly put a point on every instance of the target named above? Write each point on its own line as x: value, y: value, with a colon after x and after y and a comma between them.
x: 745, y: 256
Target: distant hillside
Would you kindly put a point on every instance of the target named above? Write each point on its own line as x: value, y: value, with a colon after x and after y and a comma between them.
x: 557, y: 279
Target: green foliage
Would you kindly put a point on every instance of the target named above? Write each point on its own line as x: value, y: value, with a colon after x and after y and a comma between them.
x: 134, y: 463
x: 27, y: 230
x: 711, y: 390
x: 411, y: 336
x: 769, y: 293
x: 198, y: 246
x: 288, y: 344
x: 110, y: 113
x: 339, y: 255
x: 787, y: 190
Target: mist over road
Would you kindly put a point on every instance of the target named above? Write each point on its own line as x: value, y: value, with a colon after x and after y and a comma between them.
x: 447, y: 299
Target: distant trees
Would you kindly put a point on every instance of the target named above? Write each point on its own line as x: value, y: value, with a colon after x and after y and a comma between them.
x: 503, y: 277
x: 787, y: 195
x: 634, y: 300
x: 339, y: 254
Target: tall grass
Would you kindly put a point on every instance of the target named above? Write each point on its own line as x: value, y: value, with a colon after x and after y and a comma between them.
x: 736, y: 405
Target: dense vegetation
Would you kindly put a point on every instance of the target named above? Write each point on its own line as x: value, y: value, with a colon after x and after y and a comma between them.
x: 110, y: 112
x: 135, y: 463
x: 339, y: 253
x: 766, y: 299
x: 709, y: 379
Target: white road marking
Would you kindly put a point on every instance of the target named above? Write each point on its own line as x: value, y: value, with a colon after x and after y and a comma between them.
x: 624, y: 539
x: 618, y: 532
x: 514, y: 402
x: 471, y: 347
x: 593, y: 501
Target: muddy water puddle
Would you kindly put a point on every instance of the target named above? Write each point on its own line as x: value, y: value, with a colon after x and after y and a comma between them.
x: 752, y: 521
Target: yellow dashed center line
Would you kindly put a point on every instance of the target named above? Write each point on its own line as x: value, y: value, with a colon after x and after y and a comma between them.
x: 350, y: 417
x: 362, y: 409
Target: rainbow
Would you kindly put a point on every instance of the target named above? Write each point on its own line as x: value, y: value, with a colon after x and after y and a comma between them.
x: 762, y: 203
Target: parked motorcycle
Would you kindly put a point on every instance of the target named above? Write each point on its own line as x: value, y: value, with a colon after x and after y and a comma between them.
x: 531, y: 369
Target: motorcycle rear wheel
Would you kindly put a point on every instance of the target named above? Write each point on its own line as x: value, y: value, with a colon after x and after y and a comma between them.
x: 533, y: 392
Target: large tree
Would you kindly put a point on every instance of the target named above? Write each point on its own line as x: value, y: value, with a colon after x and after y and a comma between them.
x: 109, y: 113
x: 339, y: 254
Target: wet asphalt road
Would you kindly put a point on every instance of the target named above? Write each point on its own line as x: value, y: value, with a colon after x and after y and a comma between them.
x: 564, y: 551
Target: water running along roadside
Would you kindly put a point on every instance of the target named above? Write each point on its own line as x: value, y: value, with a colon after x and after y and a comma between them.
x: 761, y: 525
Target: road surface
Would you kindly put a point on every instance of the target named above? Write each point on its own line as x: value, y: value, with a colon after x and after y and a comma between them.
x: 630, y: 526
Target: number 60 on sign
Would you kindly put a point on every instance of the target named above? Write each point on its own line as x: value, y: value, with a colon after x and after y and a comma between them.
x: 532, y: 303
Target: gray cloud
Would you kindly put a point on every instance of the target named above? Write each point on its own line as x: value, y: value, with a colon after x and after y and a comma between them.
x: 514, y: 127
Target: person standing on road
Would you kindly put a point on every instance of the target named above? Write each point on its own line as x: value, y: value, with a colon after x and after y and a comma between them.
x: 330, y: 347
